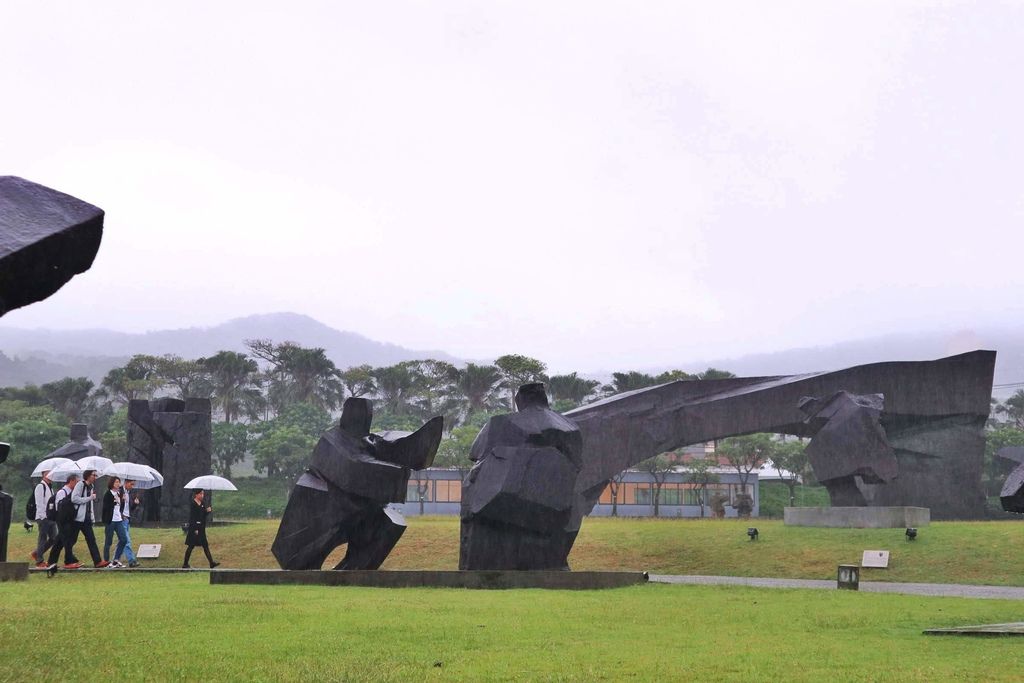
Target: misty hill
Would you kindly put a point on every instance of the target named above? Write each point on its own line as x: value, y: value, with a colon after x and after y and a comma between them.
x: 1008, y: 343
x: 41, y: 355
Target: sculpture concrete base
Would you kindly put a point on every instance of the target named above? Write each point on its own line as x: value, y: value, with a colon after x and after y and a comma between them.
x: 898, y: 517
x: 13, y: 571
x: 498, y: 579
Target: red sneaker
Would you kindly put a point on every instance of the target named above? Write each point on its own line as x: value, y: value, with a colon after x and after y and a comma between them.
x: 103, y: 564
x: 34, y: 556
x: 42, y: 565
x: 73, y: 565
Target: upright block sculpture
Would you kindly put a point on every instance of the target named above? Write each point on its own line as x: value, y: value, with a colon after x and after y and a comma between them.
x: 173, y: 436
x: 343, y: 495
x: 46, y: 238
x: 517, y: 500
x: 1012, y: 495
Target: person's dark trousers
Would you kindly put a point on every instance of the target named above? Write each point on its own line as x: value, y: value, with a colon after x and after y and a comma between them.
x: 47, y: 537
x: 188, y: 554
x: 90, y: 540
x: 67, y: 535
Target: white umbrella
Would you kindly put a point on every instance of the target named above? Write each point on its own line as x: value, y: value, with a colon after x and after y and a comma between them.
x: 211, y: 483
x: 156, y: 482
x: 61, y: 472
x: 94, y: 462
x: 49, y: 465
x: 129, y: 470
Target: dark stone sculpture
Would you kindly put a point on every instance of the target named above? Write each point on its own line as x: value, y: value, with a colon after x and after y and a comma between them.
x: 79, y: 445
x: 517, y: 499
x: 343, y: 495
x: 933, y: 419
x: 849, y: 444
x: 173, y: 436
x: 1012, y: 495
x: 46, y: 238
x: 6, y: 507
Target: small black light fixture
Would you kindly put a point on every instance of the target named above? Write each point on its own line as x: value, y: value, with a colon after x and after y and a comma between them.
x: 911, y: 533
x: 752, y: 532
x: 848, y: 577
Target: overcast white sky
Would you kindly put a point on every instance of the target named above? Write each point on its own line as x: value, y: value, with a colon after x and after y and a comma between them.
x: 596, y: 184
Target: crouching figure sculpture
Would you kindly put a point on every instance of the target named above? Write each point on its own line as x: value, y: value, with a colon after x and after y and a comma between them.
x: 517, y: 499
x: 343, y: 495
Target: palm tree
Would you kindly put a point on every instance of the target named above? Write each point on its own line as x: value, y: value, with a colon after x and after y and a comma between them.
x: 234, y: 377
x: 69, y: 396
x: 396, y: 386
x: 571, y: 388
x: 478, y: 386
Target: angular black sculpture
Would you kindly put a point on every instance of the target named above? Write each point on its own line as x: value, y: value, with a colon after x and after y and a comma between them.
x: 79, y: 445
x: 46, y: 238
x: 933, y: 417
x: 6, y: 507
x: 849, y: 446
x: 517, y: 499
x: 1012, y: 495
x: 343, y: 495
x: 174, y: 437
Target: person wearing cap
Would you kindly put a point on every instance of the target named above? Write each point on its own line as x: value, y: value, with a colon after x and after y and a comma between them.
x: 83, y: 496
x: 47, y: 527
x: 196, y: 533
x: 67, y: 534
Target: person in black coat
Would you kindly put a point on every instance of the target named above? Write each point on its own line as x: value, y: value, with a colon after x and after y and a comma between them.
x: 196, y: 533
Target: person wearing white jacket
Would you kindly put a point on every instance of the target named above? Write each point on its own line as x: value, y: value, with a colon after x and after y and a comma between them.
x: 47, y: 527
x: 83, y: 496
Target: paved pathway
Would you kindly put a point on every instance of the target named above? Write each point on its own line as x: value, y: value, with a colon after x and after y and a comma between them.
x: 957, y: 590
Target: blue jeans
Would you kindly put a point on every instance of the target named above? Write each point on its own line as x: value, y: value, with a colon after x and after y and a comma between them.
x: 124, y: 541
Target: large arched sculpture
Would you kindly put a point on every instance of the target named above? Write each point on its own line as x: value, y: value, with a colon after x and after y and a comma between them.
x: 932, y: 415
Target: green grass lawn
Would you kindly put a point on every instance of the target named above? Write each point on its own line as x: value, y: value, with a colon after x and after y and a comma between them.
x: 178, y: 626
x: 945, y: 552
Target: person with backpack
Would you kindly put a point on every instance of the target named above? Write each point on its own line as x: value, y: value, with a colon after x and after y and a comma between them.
x: 83, y: 496
x: 61, y: 510
x: 36, y: 511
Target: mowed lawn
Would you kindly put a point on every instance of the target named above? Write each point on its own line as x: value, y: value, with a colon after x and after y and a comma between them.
x: 177, y: 627
x: 945, y: 552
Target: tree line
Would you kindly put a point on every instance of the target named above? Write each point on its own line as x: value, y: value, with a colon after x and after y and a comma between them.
x: 275, y: 399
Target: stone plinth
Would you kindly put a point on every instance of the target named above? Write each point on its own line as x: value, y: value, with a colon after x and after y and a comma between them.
x: 898, y: 517
x: 487, y: 579
x: 13, y: 571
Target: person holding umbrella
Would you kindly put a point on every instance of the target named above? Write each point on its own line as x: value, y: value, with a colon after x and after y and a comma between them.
x: 47, y: 527
x: 83, y: 496
x: 196, y: 533
x: 124, y: 543
x: 66, y: 533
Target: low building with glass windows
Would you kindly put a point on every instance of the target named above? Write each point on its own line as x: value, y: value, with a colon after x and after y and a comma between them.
x: 439, y: 492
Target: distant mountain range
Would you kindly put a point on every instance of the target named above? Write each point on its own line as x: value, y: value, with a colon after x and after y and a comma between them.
x: 39, y: 355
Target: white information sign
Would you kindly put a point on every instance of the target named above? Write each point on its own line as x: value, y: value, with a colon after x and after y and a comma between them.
x: 148, y: 551
x: 875, y: 558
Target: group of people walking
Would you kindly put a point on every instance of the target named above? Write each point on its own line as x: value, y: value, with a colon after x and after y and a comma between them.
x: 69, y: 512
